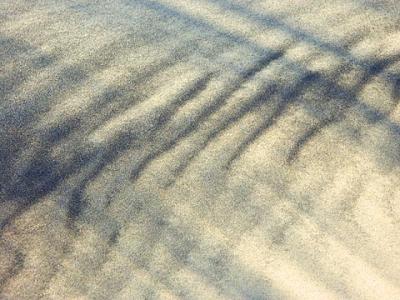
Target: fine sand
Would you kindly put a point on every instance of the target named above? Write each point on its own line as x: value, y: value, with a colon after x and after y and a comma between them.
x: 199, y: 149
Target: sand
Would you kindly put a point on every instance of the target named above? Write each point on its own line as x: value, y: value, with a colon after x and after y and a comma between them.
x: 199, y: 149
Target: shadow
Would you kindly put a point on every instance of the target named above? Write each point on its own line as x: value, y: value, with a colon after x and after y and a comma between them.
x: 370, y: 68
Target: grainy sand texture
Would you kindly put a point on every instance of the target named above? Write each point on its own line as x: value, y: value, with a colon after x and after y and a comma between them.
x: 200, y: 149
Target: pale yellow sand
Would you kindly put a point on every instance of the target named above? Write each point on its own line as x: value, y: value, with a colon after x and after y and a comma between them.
x: 199, y: 149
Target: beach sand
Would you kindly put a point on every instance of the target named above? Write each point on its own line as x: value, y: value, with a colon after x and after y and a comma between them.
x: 199, y: 149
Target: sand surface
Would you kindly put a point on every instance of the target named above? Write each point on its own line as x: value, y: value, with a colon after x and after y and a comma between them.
x: 199, y: 149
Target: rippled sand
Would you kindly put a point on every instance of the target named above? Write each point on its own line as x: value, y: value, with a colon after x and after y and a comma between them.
x: 199, y: 149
